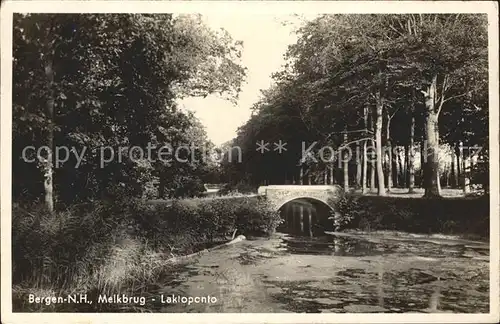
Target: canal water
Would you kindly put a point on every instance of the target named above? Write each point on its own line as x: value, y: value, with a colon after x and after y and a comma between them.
x: 303, y: 269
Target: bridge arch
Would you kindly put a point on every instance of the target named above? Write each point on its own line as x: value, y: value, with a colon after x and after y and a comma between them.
x: 279, y: 195
x: 322, y: 201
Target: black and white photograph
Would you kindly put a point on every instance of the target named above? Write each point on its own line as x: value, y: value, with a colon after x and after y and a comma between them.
x: 295, y: 162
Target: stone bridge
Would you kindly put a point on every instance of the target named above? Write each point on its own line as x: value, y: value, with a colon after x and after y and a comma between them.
x: 281, y: 194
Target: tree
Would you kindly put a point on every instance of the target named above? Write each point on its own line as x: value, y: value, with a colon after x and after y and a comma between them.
x: 378, y: 140
x: 341, y: 64
x: 108, y: 81
x: 444, y: 63
x: 411, y: 153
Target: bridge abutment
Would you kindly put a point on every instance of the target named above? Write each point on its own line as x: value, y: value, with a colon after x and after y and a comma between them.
x: 279, y: 195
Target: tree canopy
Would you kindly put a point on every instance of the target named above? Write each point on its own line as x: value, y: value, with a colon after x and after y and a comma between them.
x: 88, y: 81
x: 430, y: 68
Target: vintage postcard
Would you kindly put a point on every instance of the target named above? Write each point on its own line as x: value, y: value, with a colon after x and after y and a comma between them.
x: 249, y: 161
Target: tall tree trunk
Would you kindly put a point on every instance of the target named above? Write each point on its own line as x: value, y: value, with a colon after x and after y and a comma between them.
x: 345, y: 164
x: 389, y: 153
x: 401, y: 166
x: 373, y: 180
x: 453, y: 172
x: 378, y: 140
x: 372, y: 161
x: 448, y: 172
x: 411, y: 153
x: 373, y: 168
x: 423, y: 154
x: 422, y: 162
x: 365, y: 166
x: 465, y: 169
x: 406, y: 166
x: 301, y: 176
x: 365, y: 162
x: 358, y: 166
x: 436, y: 134
x: 332, y: 173
x: 396, y: 162
x: 431, y: 174
x: 47, y: 164
x: 473, y: 163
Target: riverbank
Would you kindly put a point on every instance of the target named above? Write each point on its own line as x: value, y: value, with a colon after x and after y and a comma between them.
x: 133, y: 247
x: 110, y: 248
x: 466, y: 217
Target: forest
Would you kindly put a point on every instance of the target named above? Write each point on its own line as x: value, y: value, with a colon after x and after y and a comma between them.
x: 84, y: 82
x: 405, y: 96
x: 89, y: 81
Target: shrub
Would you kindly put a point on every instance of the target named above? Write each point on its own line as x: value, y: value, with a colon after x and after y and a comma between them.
x: 112, y: 247
x: 257, y: 218
x: 63, y: 251
x: 211, y: 219
x: 150, y: 190
x: 347, y: 210
x: 183, y: 186
x: 467, y: 216
x: 238, y: 188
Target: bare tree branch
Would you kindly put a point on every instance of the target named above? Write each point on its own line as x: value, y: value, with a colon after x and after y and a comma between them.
x: 397, y: 31
x: 448, y: 99
x: 457, y: 96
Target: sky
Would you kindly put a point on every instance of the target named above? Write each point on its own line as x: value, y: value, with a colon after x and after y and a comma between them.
x: 265, y: 41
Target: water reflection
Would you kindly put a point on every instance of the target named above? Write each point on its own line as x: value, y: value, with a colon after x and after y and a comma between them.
x: 305, y: 218
x: 341, y: 275
x: 434, y: 300
x: 380, y: 285
x: 305, y: 222
x: 330, y: 245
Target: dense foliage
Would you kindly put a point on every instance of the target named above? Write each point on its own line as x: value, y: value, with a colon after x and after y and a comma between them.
x: 435, y: 216
x: 95, y: 83
x: 94, y: 91
x: 405, y: 82
x: 115, y: 248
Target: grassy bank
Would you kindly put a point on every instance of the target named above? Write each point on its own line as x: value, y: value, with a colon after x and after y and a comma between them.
x: 115, y: 248
x: 465, y: 216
